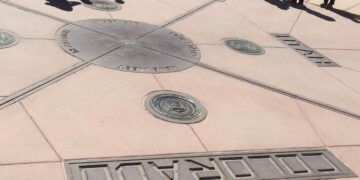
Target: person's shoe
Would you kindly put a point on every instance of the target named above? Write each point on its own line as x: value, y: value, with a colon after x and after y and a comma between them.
x: 301, y: 3
x: 330, y: 6
x: 323, y: 5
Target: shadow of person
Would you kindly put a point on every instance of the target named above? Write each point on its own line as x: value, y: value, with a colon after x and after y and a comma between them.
x: 353, y: 17
x: 89, y: 1
x: 312, y: 12
x: 62, y: 4
x: 120, y: 1
x: 281, y: 4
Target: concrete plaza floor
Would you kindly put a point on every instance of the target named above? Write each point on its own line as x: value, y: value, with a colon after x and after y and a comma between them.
x: 98, y: 112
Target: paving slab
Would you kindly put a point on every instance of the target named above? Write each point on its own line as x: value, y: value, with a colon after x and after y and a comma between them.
x: 355, y: 10
x: 29, y: 62
x: 285, y: 69
x: 346, y: 58
x: 184, y: 4
x: 340, y: 33
x: 20, y: 140
x: 333, y: 128
x: 208, y: 27
x: 272, y: 16
x: 66, y: 12
x: 348, y: 77
x: 241, y: 116
x: 343, y: 5
x: 350, y: 156
x: 27, y: 25
x: 156, y: 11
x: 100, y: 113
x: 43, y: 171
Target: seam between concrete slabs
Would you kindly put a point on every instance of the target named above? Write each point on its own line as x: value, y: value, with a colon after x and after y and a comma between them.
x: 268, y: 87
x: 172, y: 5
x: 27, y: 91
x: 307, y: 118
x: 41, y: 132
x: 189, y: 125
x: 36, y: 12
x: 343, y: 83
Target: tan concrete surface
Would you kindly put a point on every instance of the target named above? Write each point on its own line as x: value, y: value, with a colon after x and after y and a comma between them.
x: 43, y: 171
x: 351, y: 156
x: 20, y: 140
x: 99, y: 112
x: 208, y: 27
x: 285, y: 69
x: 333, y: 128
x: 29, y: 62
x: 78, y: 12
x: 339, y: 4
x: 342, y: 33
x: 184, y: 4
x: 355, y: 10
x: 269, y: 17
x: 88, y: 115
x: 27, y: 25
x: 156, y: 11
x: 348, y: 77
x: 347, y: 58
x: 242, y: 116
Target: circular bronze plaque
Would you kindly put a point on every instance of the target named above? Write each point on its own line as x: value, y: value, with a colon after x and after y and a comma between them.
x: 175, y: 107
x: 244, y: 46
x: 7, y: 39
x: 128, y: 45
x: 104, y: 5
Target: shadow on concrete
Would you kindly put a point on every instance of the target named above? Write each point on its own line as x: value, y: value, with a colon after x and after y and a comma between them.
x: 285, y: 5
x: 66, y: 5
x: 353, y: 17
x: 89, y: 1
x: 62, y: 4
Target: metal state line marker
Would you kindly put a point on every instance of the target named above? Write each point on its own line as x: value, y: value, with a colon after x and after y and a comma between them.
x: 5, y: 102
x: 270, y: 164
x: 268, y: 87
x: 183, y: 16
x: 19, y: 95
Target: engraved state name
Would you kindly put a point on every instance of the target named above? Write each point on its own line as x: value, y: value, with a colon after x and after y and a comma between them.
x: 65, y: 42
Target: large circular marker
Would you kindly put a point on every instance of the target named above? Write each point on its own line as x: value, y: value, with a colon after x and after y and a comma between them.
x: 7, y: 39
x: 244, y: 46
x: 103, y: 5
x: 128, y: 45
x: 175, y: 107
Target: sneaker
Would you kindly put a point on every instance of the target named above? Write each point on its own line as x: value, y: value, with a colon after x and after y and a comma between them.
x: 323, y: 5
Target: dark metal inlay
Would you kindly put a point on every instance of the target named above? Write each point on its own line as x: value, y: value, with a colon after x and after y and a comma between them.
x: 303, y: 49
x: 7, y: 39
x: 160, y: 51
x: 244, y: 46
x: 276, y: 164
x: 103, y: 5
x: 175, y: 107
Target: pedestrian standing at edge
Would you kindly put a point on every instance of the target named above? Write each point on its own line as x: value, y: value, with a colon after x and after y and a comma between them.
x: 301, y: 2
x: 328, y: 4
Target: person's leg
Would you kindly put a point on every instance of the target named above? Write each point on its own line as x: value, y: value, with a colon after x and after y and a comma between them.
x: 330, y: 5
x: 324, y: 4
x: 301, y: 2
